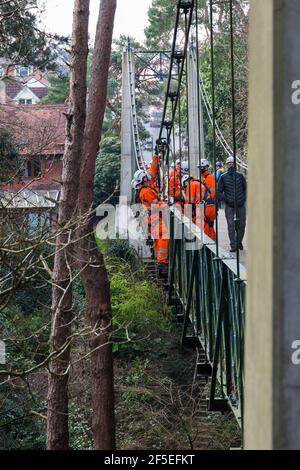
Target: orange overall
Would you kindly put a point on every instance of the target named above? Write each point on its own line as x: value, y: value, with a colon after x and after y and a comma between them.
x: 174, y: 183
x: 159, y: 230
x: 208, y: 196
x: 195, y: 193
x: 153, y: 172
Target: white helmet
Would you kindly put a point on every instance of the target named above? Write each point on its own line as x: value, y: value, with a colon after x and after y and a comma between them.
x: 204, y: 163
x: 230, y: 160
x: 184, y: 179
x: 177, y: 161
x: 185, y: 167
x: 140, y: 175
x: 134, y: 184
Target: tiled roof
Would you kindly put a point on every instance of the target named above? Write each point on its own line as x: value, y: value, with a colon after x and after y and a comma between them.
x: 12, y: 87
x: 40, y: 92
x: 37, y: 129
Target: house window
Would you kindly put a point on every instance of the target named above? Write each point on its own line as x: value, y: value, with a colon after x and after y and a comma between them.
x: 33, y: 168
x: 22, y: 101
x: 38, y: 220
x: 24, y: 71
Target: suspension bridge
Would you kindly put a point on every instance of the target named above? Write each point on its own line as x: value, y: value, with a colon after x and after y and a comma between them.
x: 238, y: 311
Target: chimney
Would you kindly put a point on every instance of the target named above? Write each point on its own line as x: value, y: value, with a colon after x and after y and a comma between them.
x: 2, y: 92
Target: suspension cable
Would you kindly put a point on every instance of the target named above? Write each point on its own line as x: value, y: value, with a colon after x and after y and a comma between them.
x: 213, y: 115
x: 219, y: 133
x: 173, y: 58
x: 179, y: 131
x: 187, y: 108
x: 236, y: 219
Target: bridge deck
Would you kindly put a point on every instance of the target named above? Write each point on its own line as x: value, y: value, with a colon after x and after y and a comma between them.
x: 224, y: 239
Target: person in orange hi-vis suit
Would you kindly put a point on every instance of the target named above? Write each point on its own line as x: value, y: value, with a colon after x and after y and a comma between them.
x: 175, y: 194
x: 208, y: 188
x: 196, y: 192
x: 153, y: 172
x: 192, y: 192
x: 158, y: 227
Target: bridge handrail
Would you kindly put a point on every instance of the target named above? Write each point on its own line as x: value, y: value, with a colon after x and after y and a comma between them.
x: 213, y: 302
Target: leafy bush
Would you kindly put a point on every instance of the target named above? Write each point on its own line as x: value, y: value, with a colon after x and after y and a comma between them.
x: 120, y: 249
x: 79, y: 426
x: 26, y: 336
x: 19, y: 428
x: 137, y: 310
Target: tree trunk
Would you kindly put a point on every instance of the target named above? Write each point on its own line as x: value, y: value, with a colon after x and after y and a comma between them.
x: 94, y: 275
x: 57, y: 415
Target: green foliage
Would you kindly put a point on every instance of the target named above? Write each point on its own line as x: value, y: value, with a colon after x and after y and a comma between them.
x: 20, y: 430
x: 26, y: 337
x: 161, y: 20
x: 139, y: 372
x: 79, y: 427
x: 21, y: 38
x: 108, y: 167
x: 137, y: 312
x: 222, y: 66
x: 120, y: 249
x: 58, y: 91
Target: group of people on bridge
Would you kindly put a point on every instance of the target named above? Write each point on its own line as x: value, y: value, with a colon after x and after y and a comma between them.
x: 182, y: 189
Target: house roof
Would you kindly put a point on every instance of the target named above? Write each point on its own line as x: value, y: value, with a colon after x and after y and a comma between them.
x: 37, y: 129
x: 39, y: 92
x: 12, y: 87
x: 39, y: 76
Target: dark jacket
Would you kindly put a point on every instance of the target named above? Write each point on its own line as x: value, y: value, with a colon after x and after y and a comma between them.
x: 226, y: 189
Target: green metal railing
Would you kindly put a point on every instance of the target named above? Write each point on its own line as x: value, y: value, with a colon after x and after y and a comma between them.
x: 212, y: 303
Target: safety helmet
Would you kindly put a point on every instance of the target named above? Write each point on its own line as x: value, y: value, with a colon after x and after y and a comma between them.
x: 204, y: 163
x: 172, y: 165
x: 218, y: 164
x: 230, y: 160
x: 139, y: 175
x: 184, y: 179
x: 134, y: 184
x: 177, y: 161
x: 184, y: 167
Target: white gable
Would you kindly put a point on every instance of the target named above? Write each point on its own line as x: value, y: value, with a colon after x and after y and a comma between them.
x: 26, y: 94
x: 35, y: 83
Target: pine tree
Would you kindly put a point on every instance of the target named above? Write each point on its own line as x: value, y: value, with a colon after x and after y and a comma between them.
x: 21, y: 38
x: 58, y: 91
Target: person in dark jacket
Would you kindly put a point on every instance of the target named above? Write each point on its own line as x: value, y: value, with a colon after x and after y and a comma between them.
x: 226, y: 194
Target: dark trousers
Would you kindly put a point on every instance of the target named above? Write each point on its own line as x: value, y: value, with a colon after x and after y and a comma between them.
x: 241, y: 215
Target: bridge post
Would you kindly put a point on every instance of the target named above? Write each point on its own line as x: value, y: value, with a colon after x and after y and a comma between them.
x: 196, y: 151
x: 127, y: 150
x: 272, y: 390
